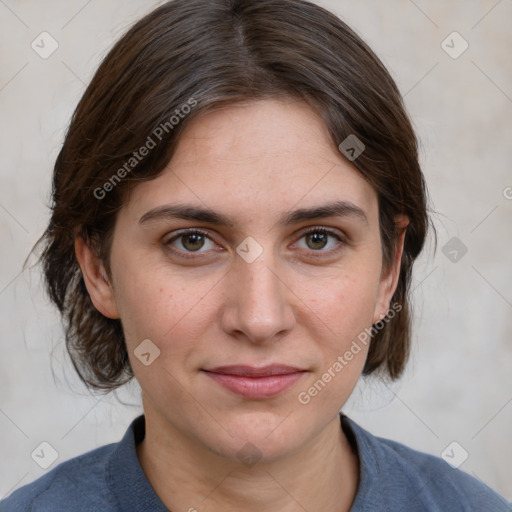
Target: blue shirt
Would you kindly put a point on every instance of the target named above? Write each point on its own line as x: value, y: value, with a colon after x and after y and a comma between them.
x: 393, y: 478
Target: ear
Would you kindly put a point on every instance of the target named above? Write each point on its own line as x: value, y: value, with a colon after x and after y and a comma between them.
x: 389, y: 280
x: 96, y: 280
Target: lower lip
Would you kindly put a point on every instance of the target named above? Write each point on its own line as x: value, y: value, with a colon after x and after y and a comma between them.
x: 256, y: 387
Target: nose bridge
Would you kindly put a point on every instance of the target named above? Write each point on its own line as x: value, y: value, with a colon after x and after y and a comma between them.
x: 258, y: 297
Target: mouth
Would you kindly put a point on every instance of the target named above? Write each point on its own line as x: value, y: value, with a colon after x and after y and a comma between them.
x: 256, y: 383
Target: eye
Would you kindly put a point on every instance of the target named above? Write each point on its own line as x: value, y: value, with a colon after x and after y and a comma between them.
x: 317, y: 239
x: 189, y: 241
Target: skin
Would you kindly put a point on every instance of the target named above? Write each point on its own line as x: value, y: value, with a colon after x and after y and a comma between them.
x: 299, y: 303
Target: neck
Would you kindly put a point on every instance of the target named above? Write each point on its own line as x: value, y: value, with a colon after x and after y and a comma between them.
x: 322, y: 475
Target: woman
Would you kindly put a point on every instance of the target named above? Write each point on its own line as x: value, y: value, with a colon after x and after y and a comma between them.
x: 237, y: 208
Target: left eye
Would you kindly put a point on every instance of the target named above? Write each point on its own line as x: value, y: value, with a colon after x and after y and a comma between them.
x: 318, y: 238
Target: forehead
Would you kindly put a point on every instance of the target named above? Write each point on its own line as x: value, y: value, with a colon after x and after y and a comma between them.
x: 257, y: 157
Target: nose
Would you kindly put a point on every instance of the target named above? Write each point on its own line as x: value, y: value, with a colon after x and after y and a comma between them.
x: 258, y: 303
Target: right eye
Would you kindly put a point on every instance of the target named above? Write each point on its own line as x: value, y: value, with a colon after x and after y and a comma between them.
x: 187, y: 242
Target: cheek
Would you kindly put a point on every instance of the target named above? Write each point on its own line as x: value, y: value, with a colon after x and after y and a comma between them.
x: 171, y: 307
x: 152, y: 309
x: 343, y: 301
x: 340, y: 313
x: 150, y: 300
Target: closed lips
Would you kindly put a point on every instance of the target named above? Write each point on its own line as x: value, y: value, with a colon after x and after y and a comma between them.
x: 250, y: 371
x: 255, y: 383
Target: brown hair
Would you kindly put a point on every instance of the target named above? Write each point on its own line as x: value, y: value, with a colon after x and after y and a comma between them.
x: 209, y: 53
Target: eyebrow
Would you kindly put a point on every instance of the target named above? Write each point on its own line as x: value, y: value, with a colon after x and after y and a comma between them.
x: 202, y: 214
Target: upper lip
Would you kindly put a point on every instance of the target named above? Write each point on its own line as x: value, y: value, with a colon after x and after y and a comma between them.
x: 252, y: 371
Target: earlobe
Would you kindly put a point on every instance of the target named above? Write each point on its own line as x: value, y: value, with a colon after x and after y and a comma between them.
x: 96, y: 280
x: 389, y: 281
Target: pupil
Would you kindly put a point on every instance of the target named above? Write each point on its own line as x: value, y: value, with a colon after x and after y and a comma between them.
x: 319, y: 238
x: 195, y: 239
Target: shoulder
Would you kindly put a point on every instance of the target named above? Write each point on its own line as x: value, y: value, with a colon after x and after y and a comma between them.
x: 441, y: 484
x: 81, y: 479
x: 418, y: 481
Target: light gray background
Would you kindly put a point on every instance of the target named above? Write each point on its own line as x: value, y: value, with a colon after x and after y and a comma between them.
x: 458, y: 386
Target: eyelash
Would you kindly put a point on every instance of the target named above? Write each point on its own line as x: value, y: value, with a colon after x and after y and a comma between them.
x: 198, y: 231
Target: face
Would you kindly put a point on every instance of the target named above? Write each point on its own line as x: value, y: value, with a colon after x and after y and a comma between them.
x: 252, y: 281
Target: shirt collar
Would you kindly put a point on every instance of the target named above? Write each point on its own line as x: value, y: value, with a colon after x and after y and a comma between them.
x: 132, y: 490
x: 125, y: 476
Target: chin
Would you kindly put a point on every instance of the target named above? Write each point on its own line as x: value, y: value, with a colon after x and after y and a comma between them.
x: 264, y: 436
